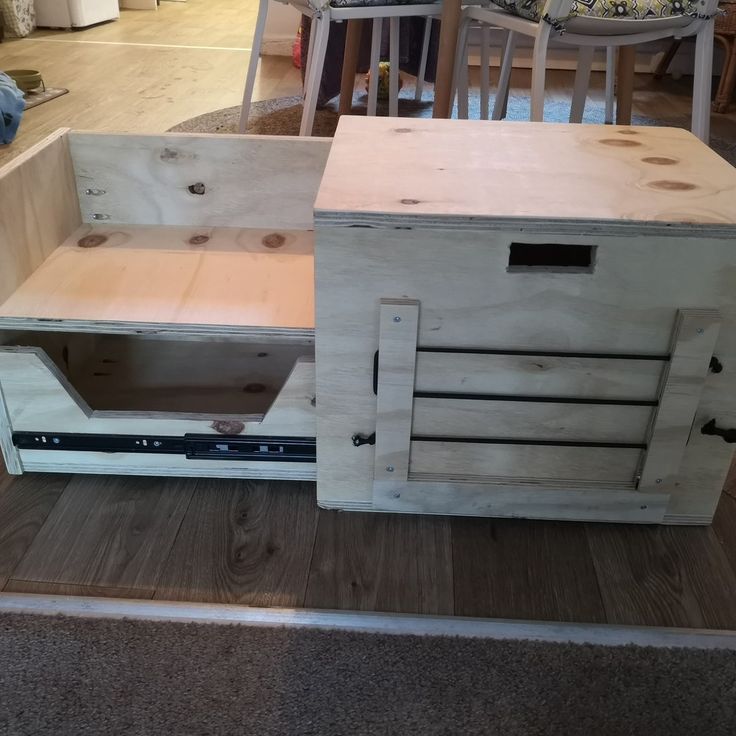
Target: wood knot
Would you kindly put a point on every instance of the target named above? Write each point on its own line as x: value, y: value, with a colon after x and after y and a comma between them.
x: 198, y: 239
x: 92, y: 241
x: 197, y: 188
x: 628, y: 131
x: 617, y: 142
x: 254, y: 388
x: 402, y: 130
x: 409, y: 201
x: 670, y: 185
x: 273, y: 240
x: 169, y: 154
x: 227, y: 427
x: 660, y: 160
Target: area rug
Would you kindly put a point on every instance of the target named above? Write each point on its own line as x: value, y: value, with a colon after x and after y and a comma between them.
x: 78, y: 676
x: 281, y: 116
x: 35, y: 98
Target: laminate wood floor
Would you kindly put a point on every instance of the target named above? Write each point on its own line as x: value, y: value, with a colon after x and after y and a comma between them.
x: 266, y: 543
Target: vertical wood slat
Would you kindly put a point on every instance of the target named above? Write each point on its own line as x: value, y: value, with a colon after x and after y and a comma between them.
x: 694, y: 339
x: 397, y: 348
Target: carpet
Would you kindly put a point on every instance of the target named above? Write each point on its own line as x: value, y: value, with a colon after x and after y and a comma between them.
x: 38, y: 97
x: 282, y: 115
x: 64, y: 675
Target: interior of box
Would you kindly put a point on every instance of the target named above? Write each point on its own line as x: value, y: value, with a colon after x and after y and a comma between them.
x: 147, y: 374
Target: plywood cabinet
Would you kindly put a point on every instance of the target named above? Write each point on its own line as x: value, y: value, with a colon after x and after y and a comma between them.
x: 475, y: 318
x: 525, y: 320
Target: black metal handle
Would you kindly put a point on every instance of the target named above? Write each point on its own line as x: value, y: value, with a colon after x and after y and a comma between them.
x: 361, y: 439
x: 729, y: 435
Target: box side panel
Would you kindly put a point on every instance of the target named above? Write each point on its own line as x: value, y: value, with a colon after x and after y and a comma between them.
x: 627, y: 305
x: 39, y: 209
x: 199, y: 180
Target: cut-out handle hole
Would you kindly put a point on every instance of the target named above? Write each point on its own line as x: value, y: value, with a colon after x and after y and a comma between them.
x: 551, y: 258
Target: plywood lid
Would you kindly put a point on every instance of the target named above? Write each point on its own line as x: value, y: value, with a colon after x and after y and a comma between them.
x: 463, y: 173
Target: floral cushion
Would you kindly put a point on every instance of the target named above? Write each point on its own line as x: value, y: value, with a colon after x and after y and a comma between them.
x: 19, y: 16
x: 638, y: 9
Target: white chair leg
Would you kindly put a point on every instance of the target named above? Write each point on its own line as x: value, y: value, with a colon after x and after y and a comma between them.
x: 539, y: 69
x: 321, y: 30
x: 485, y: 69
x: 702, y: 80
x: 310, y: 47
x: 393, y: 73
x: 250, y: 77
x: 502, y: 94
x: 423, y: 60
x: 460, y: 81
x: 610, y: 83
x: 375, y: 59
x: 582, y: 81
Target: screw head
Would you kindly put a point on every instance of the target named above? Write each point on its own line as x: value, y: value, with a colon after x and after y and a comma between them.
x: 700, y: 330
x: 397, y: 318
x: 659, y: 480
x: 397, y: 495
x: 389, y: 468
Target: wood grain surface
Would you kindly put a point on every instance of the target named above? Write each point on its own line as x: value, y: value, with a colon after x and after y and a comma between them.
x: 112, y: 531
x: 516, y: 569
x: 382, y: 562
x: 243, y: 542
x: 25, y: 504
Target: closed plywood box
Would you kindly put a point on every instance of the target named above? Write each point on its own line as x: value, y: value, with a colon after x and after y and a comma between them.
x: 525, y: 320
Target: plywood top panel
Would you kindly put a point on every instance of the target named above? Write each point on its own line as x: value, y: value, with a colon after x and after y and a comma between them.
x: 449, y: 173
x: 123, y: 281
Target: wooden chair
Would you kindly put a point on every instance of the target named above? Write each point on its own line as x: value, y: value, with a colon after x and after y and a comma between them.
x: 343, y: 10
x: 587, y: 25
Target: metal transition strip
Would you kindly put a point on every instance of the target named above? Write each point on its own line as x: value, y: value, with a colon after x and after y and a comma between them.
x: 367, y: 622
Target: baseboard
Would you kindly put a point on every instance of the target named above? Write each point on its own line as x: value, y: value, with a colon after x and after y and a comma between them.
x: 367, y: 622
x: 277, y: 46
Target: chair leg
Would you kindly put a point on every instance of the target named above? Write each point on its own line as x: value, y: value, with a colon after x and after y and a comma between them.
x: 375, y: 59
x: 702, y: 81
x: 539, y: 68
x: 321, y: 30
x: 502, y: 94
x: 250, y: 77
x: 582, y: 81
x: 393, y: 73
x: 485, y: 69
x: 460, y: 81
x: 423, y: 60
x: 610, y: 83
x: 728, y: 76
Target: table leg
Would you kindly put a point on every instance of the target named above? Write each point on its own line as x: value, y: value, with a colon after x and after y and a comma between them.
x: 625, y: 84
x: 350, y: 65
x: 449, y: 25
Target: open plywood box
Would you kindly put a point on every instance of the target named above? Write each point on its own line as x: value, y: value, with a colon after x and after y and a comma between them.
x: 511, y: 320
x: 157, y: 300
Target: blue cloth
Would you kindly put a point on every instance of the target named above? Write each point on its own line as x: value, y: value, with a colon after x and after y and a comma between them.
x: 11, y: 108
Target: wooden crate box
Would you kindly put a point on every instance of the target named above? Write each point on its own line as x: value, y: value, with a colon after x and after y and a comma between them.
x: 157, y: 305
x: 526, y: 320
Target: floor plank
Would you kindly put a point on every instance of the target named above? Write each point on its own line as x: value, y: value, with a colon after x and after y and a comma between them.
x: 382, y: 562
x: 97, y: 591
x: 244, y: 542
x: 108, y: 531
x: 724, y: 522
x: 642, y: 576
x: 25, y: 503
x: 527, y: 570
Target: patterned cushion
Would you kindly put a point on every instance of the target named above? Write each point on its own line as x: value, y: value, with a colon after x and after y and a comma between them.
x: 19, y: 16
x: 637, y: 9
x: 374, y: 3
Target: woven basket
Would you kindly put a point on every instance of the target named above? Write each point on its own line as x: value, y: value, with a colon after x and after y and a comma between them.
x: 726, y: 24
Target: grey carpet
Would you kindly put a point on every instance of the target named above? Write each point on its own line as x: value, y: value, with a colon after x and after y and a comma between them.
x: 94, y: 676
x: 282, y: 115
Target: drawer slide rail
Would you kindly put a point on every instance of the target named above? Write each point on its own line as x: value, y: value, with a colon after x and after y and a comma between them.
x: 194, y: 446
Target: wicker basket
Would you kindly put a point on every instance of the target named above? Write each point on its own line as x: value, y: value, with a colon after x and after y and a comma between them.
x: 726, y: 23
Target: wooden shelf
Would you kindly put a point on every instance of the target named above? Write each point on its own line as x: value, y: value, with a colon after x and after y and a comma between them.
x: 171, y: 276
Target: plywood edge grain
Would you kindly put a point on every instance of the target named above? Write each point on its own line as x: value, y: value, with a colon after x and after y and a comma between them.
x: 33, y: 150
x: 367, y: 622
